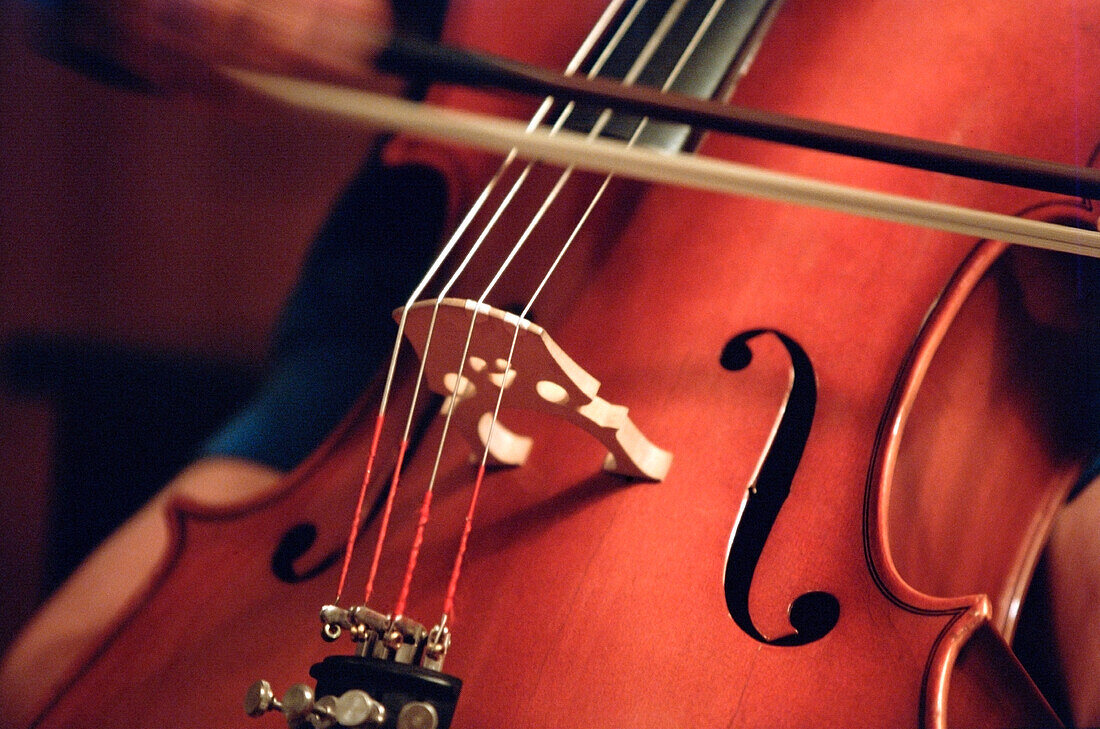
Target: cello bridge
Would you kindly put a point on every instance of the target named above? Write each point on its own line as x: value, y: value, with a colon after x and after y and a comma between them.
x: 507, y: 353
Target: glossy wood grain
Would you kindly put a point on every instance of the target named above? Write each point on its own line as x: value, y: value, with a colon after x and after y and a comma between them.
x: 589, y: 600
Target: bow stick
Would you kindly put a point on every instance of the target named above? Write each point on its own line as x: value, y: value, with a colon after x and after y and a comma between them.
x: 613, y: 157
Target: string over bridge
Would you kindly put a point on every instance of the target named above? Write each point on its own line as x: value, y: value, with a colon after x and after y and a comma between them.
x: 538, y: 376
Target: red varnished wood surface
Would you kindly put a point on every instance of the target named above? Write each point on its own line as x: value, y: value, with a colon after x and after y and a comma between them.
x: 588, y: 601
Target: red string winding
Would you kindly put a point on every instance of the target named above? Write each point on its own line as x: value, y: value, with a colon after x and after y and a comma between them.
x: 414, y: 553
x: 359, y: 507
x: 452, y: 586
x: 385, y: 521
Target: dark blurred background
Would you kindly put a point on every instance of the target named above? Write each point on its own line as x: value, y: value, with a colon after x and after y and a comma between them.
x: 145, y: 248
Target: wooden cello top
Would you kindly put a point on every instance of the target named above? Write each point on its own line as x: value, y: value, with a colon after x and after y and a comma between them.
x: 607, y: 599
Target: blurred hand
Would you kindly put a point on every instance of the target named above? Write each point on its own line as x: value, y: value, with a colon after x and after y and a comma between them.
x: 180, y: 44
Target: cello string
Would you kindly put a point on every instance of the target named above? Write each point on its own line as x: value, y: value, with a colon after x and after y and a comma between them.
x: 582, y: 53
x: 586, y: 46
x: 390, y: 375
x: 456, y: 570
x: 639, y: 64
x: 504, y: 205
x: 392, y: 492
x: 501, y: 208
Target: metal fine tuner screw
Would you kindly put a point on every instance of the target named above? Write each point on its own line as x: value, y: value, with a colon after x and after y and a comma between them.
x: 418, y: 715
x: 352, y: 709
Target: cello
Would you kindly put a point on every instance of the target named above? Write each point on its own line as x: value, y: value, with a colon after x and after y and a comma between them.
x: 759, y: 338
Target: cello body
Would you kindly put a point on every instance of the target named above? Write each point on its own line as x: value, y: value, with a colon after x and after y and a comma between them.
x: 887, y: 371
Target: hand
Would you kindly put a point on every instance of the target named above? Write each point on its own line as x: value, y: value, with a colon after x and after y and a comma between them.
x: 181, y: 44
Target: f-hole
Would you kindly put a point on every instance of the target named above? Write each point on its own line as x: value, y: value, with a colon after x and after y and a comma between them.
x: 296, y: 542
x: 813, y: 614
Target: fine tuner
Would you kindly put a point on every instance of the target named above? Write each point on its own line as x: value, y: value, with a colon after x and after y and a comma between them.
x: 396, y: 659
x: 354, y: 708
